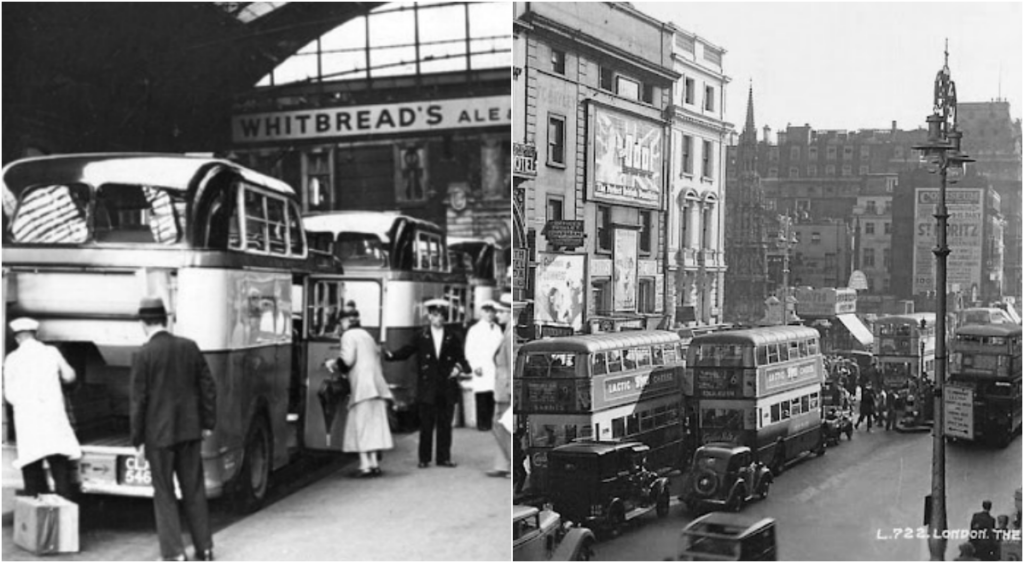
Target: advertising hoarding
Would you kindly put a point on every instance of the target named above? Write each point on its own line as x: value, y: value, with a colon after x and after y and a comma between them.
x: 963, y: 235
x: 626, y: 158
x: 560, y: 289
x: 624, y: 271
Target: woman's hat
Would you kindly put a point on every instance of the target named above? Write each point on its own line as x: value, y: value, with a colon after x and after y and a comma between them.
x: 24, y: 324
x: 152, y: 308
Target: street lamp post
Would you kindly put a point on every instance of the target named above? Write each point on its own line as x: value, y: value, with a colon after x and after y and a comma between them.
x: 943, y: 149
x: 787, y: 239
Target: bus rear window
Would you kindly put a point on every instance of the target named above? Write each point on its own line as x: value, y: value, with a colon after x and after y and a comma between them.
x: 52, y: 215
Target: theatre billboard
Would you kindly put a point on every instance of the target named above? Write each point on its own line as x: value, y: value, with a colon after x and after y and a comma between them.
x: 964, y: 235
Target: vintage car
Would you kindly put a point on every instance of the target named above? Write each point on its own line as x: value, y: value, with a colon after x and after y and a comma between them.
x: 604, y: 484
x: 721, y: 536
x: 724, y: 475
x: 540, y: 535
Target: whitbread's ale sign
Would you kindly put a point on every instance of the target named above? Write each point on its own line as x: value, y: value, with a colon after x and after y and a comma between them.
x: 410, y: 117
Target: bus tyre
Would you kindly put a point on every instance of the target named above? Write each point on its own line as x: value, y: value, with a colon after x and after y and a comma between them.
x: 254, y: 478
x: 661, y: 508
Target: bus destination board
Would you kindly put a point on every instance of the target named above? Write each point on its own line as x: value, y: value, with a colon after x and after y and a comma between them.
x: 549, y: 396
x: 717, y: 384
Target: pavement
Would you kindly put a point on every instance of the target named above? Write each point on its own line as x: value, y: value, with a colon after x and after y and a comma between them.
x: 433, y: 514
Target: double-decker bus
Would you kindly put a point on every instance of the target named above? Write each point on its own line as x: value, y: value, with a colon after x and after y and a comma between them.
x: 392, y: 263
x: 904, y: 348
x: 982, y: 395
x: 760, y: 388
x: 610, y: 386
x: 87, y: 236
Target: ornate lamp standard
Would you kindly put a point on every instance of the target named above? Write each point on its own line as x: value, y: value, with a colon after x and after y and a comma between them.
x: 943, y: 150
x: 786, y: 241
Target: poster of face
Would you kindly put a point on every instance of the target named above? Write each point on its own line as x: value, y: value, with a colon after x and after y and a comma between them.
x: 560, y: 289
x: 624, y: 270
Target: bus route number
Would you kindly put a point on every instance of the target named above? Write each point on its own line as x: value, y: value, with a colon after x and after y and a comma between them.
x: 137, y: 472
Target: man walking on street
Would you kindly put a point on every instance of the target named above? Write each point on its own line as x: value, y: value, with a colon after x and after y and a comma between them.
x: 173, y: 408
x: 33, y: 375
x: 441, y: 360
x: 503, y: 390
x: 867, y: 406
x: 983, y: 535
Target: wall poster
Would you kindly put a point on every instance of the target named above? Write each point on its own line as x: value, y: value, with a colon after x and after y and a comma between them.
x: 560, y: 284
x: 624, y: 271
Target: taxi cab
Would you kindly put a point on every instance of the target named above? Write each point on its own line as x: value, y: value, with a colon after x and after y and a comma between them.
x: 540, y: 535
x: 723, y: 536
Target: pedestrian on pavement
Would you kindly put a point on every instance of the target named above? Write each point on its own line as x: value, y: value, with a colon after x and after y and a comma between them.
x: 983, y: 535
x: 441, y: 360
x: 891, y: 408
x: 502, y: 389
x: 880, y: 400
x: 173, y: 408
x: 482, y: 342
x: 867, y: 406
x: 366, y: 427
x: 32, y: 385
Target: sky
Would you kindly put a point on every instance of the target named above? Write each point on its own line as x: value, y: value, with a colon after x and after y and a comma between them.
x: 855, y: 65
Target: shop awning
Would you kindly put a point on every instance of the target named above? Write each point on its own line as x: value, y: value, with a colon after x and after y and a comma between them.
x: 857, y: 329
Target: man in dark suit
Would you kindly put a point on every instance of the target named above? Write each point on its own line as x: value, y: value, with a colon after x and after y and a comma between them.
x: 173, y: 408
x: 983, y: 533
x: 442, y: 363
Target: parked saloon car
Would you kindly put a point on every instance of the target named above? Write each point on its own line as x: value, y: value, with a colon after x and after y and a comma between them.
x: 604, y: 484
x: 720, y: 536
x: 724, y: 475
x: 540, y: 535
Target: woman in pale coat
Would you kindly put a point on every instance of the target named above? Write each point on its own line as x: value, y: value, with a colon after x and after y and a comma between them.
x: 366, y: 427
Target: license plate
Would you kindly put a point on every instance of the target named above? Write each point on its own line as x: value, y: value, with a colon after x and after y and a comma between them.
x: 135, y: 471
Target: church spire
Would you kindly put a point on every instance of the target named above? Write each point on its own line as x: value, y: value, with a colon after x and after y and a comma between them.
x: 749, y: 131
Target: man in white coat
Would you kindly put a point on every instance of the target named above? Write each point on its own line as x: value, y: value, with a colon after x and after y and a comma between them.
x: 32, y: 385
x: 482, y: 341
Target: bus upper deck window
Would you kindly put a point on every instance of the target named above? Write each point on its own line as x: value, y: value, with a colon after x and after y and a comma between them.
x: 628, y: 360
x: 643, y: 357
x: 803, y: 349
x: 563, y: 365
x: 773, y: 353
x: 598, y: 365
x: 614, y: 361
x: 295, y: 239
x: 762, y: 355
x: 656, y: 356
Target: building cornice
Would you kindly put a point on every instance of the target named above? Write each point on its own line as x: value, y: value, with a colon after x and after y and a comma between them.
x: 593, y: 45
x: 685, y: 116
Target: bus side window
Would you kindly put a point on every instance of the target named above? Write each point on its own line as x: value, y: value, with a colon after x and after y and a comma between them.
x: 803, y: 349
x: 773, y: 353
x: 812, y: 347
x: 643, y: 357
x: 659, y: 359
x: 628, y: 360
x: 794, y: 350
x: 762, y: 355
x: 598, y: 365
x: 614, y: 361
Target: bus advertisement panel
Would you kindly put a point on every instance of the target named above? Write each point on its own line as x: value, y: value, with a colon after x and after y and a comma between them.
x: 783, y: 378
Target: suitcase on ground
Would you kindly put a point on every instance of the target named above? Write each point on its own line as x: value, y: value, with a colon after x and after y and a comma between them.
x: 46, y: 524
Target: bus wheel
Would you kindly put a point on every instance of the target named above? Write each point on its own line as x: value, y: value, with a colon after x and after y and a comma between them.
x: 661, y: 508
x: 254, y: 478
x: 586, y: 550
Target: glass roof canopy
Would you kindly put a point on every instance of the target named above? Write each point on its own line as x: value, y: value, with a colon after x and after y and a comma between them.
x: 247, y: 12
x: 399, y: 39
